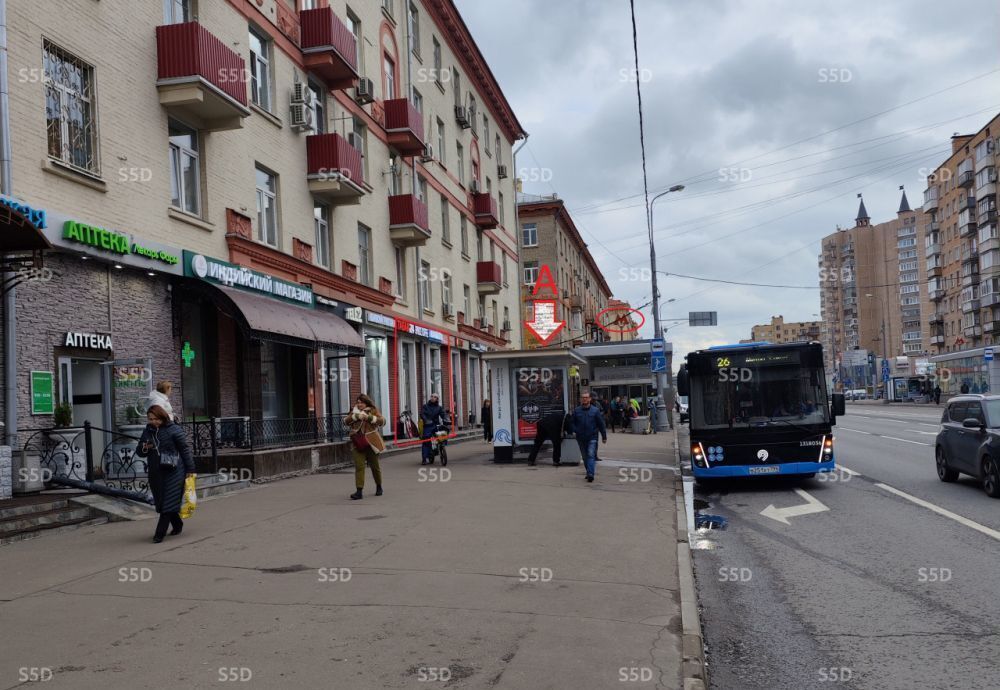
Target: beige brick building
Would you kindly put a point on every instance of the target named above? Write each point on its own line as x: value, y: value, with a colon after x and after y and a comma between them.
x: 962, y: 249
x: 549, y: 238
x: 314, y: 199
x: 780, y: 331
x: 872, y: 275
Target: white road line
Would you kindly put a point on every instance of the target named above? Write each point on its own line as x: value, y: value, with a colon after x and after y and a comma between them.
x: 848, y: 470
x: 918, y: 431
x: 941, y: 511
x: 857, y: 431
x: 906, y: 440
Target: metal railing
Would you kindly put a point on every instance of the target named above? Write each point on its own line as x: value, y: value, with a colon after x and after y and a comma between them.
x: 242, y: 433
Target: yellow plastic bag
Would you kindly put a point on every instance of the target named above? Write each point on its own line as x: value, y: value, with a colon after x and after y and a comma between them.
x: 190, y: 497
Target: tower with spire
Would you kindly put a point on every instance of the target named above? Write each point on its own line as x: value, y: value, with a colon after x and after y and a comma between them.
x: 904, y: 204
x: 863, y: 220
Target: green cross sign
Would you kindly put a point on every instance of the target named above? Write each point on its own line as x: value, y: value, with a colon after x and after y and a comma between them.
x: 187, y: 354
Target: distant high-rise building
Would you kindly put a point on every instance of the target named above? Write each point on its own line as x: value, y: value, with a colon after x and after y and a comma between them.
x: 780, y: 331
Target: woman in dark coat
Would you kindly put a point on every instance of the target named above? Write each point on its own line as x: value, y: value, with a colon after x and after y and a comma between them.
x: 163, y: 438
x: 487, y: 420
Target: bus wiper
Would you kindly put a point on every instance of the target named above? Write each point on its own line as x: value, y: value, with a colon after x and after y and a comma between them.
x: 772, y: 420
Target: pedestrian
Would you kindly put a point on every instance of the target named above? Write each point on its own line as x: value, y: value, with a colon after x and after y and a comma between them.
x: 587, y: 423
x: 616, y: 413
x: 487, y: 420
x: 364, y: 422
x: 170, y: 462
x: 433, y: 416
x: 551, y: 427
x: 937, y: 395
x: 965, y: 388
x: 653, y: 412
x: 161, y: 397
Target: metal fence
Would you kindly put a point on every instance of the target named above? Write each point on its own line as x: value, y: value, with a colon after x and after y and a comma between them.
x: 242, y: 433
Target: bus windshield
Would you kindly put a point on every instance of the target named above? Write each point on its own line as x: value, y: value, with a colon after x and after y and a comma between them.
x: 754, y: 395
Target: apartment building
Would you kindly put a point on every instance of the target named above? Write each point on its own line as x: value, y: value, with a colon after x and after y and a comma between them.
x: 872, y: 287
x: 275, y: 204
x: 779, y: 331
x: 962, y: 247
x: 549, y: 238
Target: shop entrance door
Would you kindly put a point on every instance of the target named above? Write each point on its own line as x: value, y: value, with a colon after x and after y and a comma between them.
x: 82, y: 385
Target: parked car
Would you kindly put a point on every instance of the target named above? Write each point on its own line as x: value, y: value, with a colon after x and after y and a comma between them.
x: 969, y: 441
x: 682, y: 408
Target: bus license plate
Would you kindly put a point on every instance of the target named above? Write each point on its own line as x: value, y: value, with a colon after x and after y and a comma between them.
x: 766, y: 469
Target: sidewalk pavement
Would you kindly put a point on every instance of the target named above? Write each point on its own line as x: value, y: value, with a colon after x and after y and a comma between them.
x: 495, y: 576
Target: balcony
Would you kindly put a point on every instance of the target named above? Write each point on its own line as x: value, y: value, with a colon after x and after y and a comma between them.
x: 932, y: 249
x: 936, y: 318
x: 970, y: 306
x: 576, y: 303
x: 968, y: 202
x: 972, y: 331
x: 933, y: 226
x: 991, y: 327
x: 199, y: 78
x: 935, y: 295
x: 967, y: 225
x: 489, y: 277
x: 970, y: 279
x: 408, y: 224
x: 987, y: 216
x: 930, y: 200
x: 934, y: 271
x: 334, y: 170
x: 485, y: 208
x: 989, y: 299
x: 329, y: 49
x: 966, y: 178
x: 404, y: 126
x: 937, y: 340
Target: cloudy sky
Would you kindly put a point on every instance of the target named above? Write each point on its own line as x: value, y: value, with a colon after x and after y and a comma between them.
x: 775, y: 114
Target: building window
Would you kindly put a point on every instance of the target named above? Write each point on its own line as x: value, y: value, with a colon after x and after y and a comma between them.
x: 530, y: 272
x: 389, y: 77
x: 358, y: 139
x: 437, y: 61
x: 260, y: 70
x: 440, y: 142
x: 355, y: 25
x: 466, y: 301
x: 401, y: 272
x: 465, y: 236
x: 422, y: 188
x: 318, y: 108
x: 446, y: 289
x: 493, y: 313
x: 70, y: 110
x: 425, y: 285
x: 365, y: 268
x: 472, y: 113
x: 506, y: 318
x: 500, y: 205
x: 321, y: 221
x: 445, y: 220
x: 479, y: 245
x: 185, y: 168
x: 418, y: 101
x: 529, y: 233
x: 497, y: 147
x: 460, y: 153
x: 267, y: 207
x: 414, y: 19
x: 486, y: 134
x: 456, y: 79
x: 177, y: 11
x: 503, y: 258
x: 387, y: 5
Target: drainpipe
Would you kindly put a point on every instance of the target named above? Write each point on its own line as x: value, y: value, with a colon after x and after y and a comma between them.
x: 520, y: 237
x: 7, y: 188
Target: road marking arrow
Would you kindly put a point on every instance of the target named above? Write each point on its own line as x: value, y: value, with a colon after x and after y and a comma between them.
x: 544, y: 326
x: 782, y: 514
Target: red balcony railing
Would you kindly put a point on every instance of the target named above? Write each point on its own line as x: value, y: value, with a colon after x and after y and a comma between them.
x: 407, y: 209
x: 190, y: 50
x: 485, y: 208
x: 405, y: 126
x: 330, y: 154
x: 489, y: 272
x: 330, y: 49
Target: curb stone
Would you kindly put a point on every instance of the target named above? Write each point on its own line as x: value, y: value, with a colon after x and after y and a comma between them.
x: 693, y: 650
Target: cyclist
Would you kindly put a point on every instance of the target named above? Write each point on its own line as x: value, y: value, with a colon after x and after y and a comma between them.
x: 433, y: 417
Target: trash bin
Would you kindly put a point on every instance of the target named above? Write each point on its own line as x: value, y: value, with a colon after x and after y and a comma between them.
x: 570, y: 452
x: 639, y: 424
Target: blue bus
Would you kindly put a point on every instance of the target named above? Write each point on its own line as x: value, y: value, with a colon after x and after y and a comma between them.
x: 759, y: 409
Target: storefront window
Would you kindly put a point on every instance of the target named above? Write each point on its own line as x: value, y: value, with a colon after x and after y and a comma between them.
x: 969, y: 371
x: 375, y: 353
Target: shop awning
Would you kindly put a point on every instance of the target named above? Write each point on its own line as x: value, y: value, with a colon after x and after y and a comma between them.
x: 266, y: 318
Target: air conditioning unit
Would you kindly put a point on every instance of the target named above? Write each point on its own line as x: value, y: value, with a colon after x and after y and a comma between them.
x: 474, y: 186
x: 301, y: 93
x: 462, y: 116
x: 446, y: 310
x: 301, y: 116
x: 365, y: 91
x: 428, y: 155
x: 502, y: 172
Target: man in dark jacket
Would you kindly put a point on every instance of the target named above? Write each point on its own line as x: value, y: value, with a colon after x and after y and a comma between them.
x: 937, y: 395
x: 587, y: 423
x: 551, y: 428
x: 433, y: 416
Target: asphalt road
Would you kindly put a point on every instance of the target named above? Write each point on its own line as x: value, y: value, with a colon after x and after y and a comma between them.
x: 896, y: 584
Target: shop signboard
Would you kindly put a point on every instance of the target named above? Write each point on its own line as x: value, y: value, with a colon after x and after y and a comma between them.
x: 380, y: 319
x: 42, y: 399
x: 231, y: 275
x: 540, y: 391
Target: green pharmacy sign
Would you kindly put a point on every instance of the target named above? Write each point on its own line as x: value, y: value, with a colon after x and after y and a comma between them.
x: 42, y: 399
x: 114, y: 242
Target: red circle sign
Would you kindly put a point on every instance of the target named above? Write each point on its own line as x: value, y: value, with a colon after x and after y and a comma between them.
x: 619, y: 320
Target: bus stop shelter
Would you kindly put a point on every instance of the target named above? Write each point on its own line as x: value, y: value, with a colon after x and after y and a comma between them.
x: 526, y: 385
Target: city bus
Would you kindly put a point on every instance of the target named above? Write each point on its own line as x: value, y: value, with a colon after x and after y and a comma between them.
x: 759, y: 409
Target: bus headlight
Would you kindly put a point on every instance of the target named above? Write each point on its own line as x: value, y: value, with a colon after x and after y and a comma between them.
x: 698, y: 455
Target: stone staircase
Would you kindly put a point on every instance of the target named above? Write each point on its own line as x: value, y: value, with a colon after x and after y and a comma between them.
x: 45, y: 513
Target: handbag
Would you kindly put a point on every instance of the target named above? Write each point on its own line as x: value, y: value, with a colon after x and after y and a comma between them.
x: 169, y: 461
x: 360, y: 441
x: 375, y: 441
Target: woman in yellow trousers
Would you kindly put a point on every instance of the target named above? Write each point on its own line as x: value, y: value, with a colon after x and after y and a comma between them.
x: 364, y: 421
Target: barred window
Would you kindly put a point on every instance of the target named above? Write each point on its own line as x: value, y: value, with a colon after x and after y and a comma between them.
x: 70, y: 110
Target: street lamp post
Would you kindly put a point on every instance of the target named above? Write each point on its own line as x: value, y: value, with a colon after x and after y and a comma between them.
x: 885, y: 350
x: 661, y: 377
